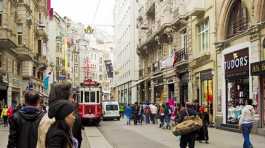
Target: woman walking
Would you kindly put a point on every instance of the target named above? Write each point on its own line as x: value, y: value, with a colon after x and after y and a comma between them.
x: 246, y: 123
x: 59, y: 134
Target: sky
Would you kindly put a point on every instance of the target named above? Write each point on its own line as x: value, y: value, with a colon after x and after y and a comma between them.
x: 86, y: 12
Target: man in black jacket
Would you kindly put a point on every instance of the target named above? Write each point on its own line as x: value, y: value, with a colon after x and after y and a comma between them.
x: 188, y: 139
x: 24, y: 124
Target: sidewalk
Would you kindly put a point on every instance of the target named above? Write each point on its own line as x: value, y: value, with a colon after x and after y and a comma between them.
x: 95, y: 138
x: 3, y: 137
x: 218, y: 138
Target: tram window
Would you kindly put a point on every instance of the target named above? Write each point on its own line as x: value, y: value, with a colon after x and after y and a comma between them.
x: 97, y: 96
x: 93, y: 96
x: 81, y: 97
x: 86, y: 96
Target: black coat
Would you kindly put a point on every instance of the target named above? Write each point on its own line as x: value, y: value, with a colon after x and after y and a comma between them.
x: 59, y: 136
x: 77, y: 128
x: 23, y: 132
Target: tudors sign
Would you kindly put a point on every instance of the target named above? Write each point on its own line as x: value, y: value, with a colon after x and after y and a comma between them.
x: 237, y: 64
x: 258, y: 68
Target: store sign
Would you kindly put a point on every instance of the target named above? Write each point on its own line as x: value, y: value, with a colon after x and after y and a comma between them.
x: 237, y: 63
x: 258, y: 68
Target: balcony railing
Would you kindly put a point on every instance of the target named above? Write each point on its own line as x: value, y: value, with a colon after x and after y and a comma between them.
x: 238, y: 27
x: 181, y: 55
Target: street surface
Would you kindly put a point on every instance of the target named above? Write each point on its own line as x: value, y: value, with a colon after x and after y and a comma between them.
x: 115, y: 134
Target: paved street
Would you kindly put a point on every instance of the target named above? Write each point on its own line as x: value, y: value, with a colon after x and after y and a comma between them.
x: 115, y: 134
x: 120, y: 135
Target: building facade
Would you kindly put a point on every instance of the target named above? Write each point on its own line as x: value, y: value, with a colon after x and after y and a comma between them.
x: 126, y: 61
x: 240, y: 56
x: 23, y: 41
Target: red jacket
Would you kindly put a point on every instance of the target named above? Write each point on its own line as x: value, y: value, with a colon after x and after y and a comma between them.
x: 10, y: 112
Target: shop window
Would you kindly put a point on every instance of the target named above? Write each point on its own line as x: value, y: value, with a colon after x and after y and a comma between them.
x: 40, y: 47
x: 238, y: 19
x: 203, y: 35
x: 237, y: 94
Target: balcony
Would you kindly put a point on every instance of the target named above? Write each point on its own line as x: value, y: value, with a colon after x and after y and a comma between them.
x: 181, y: 56
x: 7, y: 38
x: 195, y: 7
x: 40, y: 30
x: 24, y: 53
x: 27, y: 68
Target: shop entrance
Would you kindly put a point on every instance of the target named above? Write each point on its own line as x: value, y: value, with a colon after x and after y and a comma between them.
x: 263, y: 101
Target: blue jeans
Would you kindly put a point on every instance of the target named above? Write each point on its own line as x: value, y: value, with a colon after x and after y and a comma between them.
x: 246, y: 130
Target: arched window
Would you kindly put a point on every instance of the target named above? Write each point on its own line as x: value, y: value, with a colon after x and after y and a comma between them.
x: 238, y: 19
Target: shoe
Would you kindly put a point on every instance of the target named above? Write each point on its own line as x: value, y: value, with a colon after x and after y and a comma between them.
x: 200, y: 141
x: 206, y: 142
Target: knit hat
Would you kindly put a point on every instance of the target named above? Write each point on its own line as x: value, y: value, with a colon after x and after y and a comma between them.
x: 60, y: 109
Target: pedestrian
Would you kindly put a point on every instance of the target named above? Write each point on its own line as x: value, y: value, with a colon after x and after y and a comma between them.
x: 59, y: 91
x: 77, y: 127
x: 141, y: 114
x: 162, y: 115
x: 59, y: 134
x: 153, y: 109
x: 187, y: 139
x: 167, y: 116
x: 147, y: 113
x: 122, y: 110
x: 135, y: 113
x: 203, y: 132
x: 24, y: 123
x: 128, y: 114
x: 4, y: 115
x: 246, y: 123
x: 10, y: 112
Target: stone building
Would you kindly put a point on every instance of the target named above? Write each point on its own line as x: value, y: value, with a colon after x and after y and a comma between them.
x: 240, y: 57
x: 23, y: 44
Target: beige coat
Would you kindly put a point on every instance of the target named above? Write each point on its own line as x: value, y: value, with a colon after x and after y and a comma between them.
x: 44, y: 126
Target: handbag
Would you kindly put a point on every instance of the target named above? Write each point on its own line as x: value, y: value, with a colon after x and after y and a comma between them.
x: 189, y: 125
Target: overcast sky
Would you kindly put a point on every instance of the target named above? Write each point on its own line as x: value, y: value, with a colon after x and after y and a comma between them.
x: 85, y: 11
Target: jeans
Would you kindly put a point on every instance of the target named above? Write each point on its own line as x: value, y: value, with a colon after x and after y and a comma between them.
x: 246, y: 130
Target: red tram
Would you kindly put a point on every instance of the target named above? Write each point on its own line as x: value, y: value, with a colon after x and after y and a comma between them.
x: 89, y: 102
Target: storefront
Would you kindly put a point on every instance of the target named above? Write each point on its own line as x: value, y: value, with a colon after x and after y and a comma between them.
x: 158, y: 89
x: 206, y: 98
x: 258, y: 69
x: 237, y: 85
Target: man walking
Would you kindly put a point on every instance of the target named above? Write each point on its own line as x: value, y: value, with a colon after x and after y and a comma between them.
x: 24, y: 123
x: 153, y: 109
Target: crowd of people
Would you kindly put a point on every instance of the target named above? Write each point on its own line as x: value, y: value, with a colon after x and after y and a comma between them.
x: 32, y: 126
x: 169, y: 114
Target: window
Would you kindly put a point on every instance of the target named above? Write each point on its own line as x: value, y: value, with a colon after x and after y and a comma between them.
x: 238, y: 19
x: 86, y: 96
x: 39, y: 47
x: 183, y: 36
x: 57, y: 61
x: 19, y: 34
x: 203, y: 35
x: 81, y: 96
x: 111, y: 107
x: 93, y: 96
x: 98, y: 96
x: 58, y: 47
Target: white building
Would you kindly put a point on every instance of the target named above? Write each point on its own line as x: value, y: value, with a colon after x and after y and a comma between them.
x: 124, y: 53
